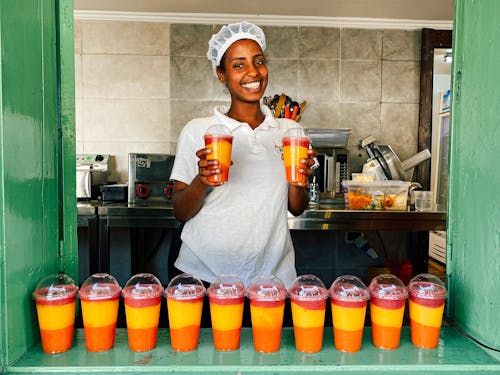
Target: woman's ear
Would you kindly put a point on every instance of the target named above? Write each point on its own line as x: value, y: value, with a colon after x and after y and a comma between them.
x: 220, y: 75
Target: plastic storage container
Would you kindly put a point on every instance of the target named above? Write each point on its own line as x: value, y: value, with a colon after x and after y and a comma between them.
x: 389, y: 195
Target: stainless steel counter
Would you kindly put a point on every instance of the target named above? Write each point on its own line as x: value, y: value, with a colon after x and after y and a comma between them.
x: 329, y: 217
x: 326, y: 217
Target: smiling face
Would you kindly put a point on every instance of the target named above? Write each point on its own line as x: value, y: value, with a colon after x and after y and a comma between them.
x: 244, y: 71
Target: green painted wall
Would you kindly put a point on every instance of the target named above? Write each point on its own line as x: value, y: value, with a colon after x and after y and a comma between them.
x: 474, y: 180
x: 35, y: 131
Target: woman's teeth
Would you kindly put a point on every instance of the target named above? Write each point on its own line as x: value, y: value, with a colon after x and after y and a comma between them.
x: 251, y: 85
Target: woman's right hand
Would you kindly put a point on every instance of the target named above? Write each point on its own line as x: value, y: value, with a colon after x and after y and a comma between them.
x: 207, y: 168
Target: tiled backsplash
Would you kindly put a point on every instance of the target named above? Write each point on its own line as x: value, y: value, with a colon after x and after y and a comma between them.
x: 138, y: 83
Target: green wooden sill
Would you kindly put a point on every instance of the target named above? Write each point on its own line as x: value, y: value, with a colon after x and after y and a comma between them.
x: 455, y: 355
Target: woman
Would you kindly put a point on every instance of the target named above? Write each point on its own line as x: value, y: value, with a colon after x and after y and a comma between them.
x: 241, y: 226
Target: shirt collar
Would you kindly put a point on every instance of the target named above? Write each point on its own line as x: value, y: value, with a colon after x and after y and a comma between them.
x: 232, y: 124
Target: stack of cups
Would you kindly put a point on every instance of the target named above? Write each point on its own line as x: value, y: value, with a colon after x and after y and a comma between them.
x: 100, y: 297
x: 348, y: 296
x: 55, y: 297
x: 226, y: 295
x: 142, y: 296
x: 387, y: 305
x: 267, y: 296
x: 184, y: 296
x: 427, y: 299
x: 308, y: 297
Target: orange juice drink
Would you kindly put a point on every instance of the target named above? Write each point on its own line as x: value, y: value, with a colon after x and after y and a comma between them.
x: 348, y: 296
x: 427, y: 299
x: 55, y: 298
x: 308, y: 297
x: 219, y: 140
x: 226, y: 295
x: 142, y: 295
x: 184, y: 296
x: 387, y: 304
x: 295, y: 149
x: 267, y: 296
x: 100, y: 297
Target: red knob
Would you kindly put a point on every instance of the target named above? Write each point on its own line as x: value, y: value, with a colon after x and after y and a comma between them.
x: 142, y: 190
x: 169, y: 189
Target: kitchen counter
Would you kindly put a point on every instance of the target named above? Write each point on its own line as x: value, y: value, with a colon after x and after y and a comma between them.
x: 326, y: 217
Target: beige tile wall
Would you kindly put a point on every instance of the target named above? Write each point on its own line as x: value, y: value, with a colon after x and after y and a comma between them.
x: 137, y: 84
x: 122, y: 90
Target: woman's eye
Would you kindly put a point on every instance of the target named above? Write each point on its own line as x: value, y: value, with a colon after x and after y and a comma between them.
x: 238, y: 66
x: 260, y: 62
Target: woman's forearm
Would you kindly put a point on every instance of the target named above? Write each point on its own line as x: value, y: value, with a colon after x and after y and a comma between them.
x: 187, y: 199
x: 298, y: 199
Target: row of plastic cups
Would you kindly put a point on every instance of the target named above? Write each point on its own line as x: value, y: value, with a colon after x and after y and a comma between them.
x: 56, y: 295
x: 348, y: 295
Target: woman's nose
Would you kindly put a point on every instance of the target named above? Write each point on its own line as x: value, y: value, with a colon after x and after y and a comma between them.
x: 253, y: 70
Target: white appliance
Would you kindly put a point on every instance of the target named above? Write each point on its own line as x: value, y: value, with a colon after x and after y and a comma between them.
x: 440, y: 139
x: 437, y: 246
x: 91, y: 171
x: 439, y: 172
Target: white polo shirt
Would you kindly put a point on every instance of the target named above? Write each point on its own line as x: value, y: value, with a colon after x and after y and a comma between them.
x: 242, y: 226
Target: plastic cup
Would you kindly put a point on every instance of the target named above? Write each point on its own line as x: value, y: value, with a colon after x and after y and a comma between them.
x: 184, y: 296
x: 142, y: 295
x: 218, y: 138
x: 308, y: 297
x: 100, y: 297
x: 423, y: 200
x: 427, y: 299
x: 295, y: 146
x: 387, y: 305
x: 55, y: 298
x: 267, y: 296
x: 227, y: 296
x: 348, y: 297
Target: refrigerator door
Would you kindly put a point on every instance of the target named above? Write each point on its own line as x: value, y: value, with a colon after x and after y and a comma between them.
x: 439, y: 165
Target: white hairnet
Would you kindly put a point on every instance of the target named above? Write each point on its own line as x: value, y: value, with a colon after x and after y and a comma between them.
x: 229, y: 34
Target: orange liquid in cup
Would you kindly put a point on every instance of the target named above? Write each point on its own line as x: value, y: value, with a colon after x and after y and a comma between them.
x: 295, y: 149
x: 184, y: 316
x: 426, y: 316
x: 99, y: 320
x: 221, y: 146
x: 143, y: 315
x: 227, y: 316
x: 308, y: 323
x: 56, y: 320
x: 348, y: 319
x: 387, y: 318
x: 267, y: 323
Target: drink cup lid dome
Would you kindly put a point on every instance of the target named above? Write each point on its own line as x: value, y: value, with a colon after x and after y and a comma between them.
x: 427, y: 286
x: 227, y: 35
x: 387, y: 286
x: 267, y: 288
x: 308, y: 287
x: 296, y: 132
x: 185, y: 286
x: 99, y: 286
x: 349, y: 288
x: 55, y: 287
x: 218, y: 129
x: 142, y: 286
x: 226, y: 286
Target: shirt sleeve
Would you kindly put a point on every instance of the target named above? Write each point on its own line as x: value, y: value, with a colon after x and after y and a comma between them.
x: 185, y: 166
